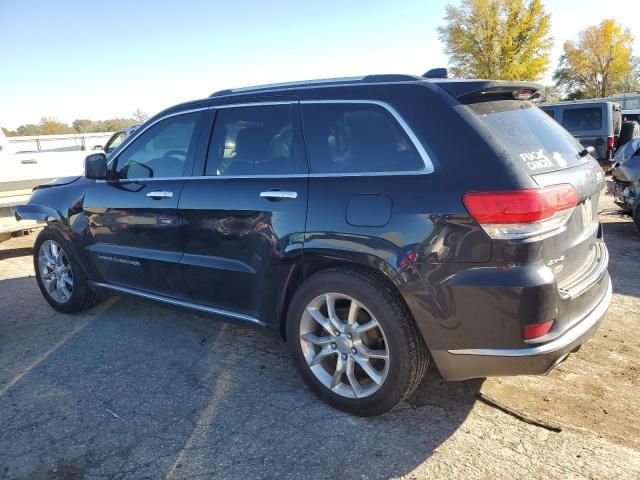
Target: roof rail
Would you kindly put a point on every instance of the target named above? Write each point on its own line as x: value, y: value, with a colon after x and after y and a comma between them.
x: 379, y: 78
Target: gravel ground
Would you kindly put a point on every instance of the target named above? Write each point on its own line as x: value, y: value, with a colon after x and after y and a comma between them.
x: 136, y: 390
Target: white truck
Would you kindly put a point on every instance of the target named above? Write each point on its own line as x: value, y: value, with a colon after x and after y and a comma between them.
x: 21, y: 171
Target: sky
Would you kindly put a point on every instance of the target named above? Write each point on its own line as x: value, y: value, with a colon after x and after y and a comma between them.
x: 69, y: 59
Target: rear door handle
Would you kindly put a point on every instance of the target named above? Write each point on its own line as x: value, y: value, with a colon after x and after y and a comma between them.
x: 157, y: 194
x: 278, y: 195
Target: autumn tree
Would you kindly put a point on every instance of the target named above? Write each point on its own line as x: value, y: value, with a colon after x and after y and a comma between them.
x: 52, y: 126
x: 497, y: 39
x: 597, y: 64
x: 28, y: 129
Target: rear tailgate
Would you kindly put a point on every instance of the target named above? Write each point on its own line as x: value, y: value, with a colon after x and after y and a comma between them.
x: 550, y: 155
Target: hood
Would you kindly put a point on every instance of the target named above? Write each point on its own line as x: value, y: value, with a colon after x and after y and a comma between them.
x: 58, y: 182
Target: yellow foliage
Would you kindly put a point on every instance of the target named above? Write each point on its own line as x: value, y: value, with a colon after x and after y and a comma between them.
x: 599, y: 61
x: 497, y: 39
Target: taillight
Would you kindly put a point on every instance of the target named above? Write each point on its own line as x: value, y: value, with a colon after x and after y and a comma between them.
x: 537, y: 330
x: 522, y: 213
x: 610, y: 143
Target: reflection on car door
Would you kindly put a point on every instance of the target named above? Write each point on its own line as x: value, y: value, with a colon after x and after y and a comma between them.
x: 133, y: 219
x: 245, y: 217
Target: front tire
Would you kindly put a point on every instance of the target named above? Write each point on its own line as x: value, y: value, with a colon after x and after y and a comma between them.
x: 59, y: 275
x: 354, y: 342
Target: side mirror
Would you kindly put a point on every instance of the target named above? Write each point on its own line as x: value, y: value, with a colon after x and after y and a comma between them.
x: 95, y: 166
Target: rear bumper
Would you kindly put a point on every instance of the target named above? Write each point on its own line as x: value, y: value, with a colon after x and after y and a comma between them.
x: 463, y: 364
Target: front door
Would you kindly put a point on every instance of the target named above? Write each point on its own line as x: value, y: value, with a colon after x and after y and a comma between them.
x: 133, y: 218
x: 245, y: 212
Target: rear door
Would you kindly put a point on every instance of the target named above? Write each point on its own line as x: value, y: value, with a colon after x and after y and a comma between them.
x: 133, y: 219
x: 245, y: 209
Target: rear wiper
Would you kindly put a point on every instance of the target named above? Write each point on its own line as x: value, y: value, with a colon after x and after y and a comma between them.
x: 587, y: 151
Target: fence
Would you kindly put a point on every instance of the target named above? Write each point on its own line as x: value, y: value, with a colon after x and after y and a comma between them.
x: 58, y: 143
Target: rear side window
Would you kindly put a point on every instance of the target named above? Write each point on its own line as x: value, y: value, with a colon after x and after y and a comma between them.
x: 579, y: 119
x: 529, y: 135
x: 356, y: 138
x: 255, y: 140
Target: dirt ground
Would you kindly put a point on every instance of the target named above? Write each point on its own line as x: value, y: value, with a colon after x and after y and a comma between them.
x: 137, y: 390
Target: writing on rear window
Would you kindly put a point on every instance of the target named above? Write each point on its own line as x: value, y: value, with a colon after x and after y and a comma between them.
x: 536, y: 160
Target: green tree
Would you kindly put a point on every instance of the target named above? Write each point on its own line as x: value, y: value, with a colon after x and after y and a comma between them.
x: 597, y: 64
x: 9, y: 133
x: 497, y: 39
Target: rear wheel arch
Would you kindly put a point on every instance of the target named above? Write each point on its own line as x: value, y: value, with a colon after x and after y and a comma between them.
x: 312, y: 264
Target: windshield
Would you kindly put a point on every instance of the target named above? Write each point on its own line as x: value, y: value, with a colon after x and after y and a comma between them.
x: 530, y: 135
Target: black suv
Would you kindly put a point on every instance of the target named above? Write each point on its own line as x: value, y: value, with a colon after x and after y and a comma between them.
x: 373, y: 222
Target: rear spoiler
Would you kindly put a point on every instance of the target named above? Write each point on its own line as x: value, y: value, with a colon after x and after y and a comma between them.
x: 476, y: 91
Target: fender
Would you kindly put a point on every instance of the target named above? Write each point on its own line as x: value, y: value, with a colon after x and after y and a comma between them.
x: 59, y: 204
x: 39, y: 213
x: 326, y: 249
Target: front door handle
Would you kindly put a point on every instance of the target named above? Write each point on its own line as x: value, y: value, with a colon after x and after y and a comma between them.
x: 157, y: 194
x: 278, y: 195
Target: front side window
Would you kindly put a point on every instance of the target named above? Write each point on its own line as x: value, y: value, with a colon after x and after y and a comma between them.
x: 252, y: 140
x: 356, y: 138
x: 578, y: 119
x: 161, y: 151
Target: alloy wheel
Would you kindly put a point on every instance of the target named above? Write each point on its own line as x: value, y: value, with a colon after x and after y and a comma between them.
x: 55, y: 271
x: 344, y: 345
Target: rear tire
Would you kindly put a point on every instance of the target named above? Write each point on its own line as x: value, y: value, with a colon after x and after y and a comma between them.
x: 366, y: 357
x: 636, y: 217
x: 59, y: 275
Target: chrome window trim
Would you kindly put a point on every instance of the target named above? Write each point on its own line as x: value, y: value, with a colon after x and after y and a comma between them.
x: 252, y: 104
x: 427, y: 169
x: 426, y: 160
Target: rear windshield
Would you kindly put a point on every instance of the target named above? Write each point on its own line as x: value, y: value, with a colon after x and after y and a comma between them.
x: 529, y: 135
x: 580, y: 119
